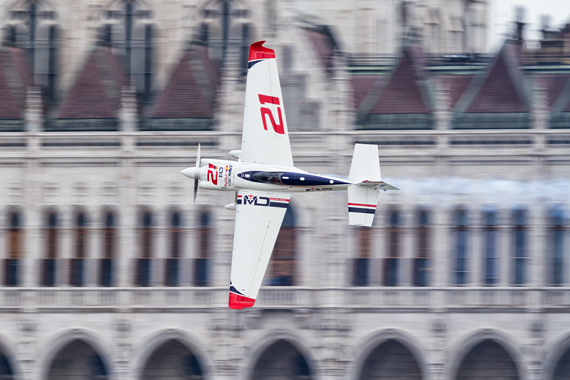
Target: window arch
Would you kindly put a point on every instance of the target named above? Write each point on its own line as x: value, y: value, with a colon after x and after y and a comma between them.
x: 201, y: 263
x: 14, y: 249
x: 519, y: 241
x: 129, y: 29
x: 172, y: 275
x: 490, y: 255
x: 106, y: 266
x: 460, y: 232
x: 33, y: 28
x: 143, y: 267
x: 391, y: 266
x: 77, y: 267
x: 51, y: 233
x: 557, y: 229
x: 283, y: 262
x: 422, y: 263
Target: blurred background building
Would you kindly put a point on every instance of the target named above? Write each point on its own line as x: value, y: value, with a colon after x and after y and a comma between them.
x: 109, y: 271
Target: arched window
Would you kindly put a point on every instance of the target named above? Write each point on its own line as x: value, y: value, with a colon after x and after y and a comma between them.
x: 201, y: 263
x: 51, y: 249
x: 490, y: 255
x: 283, y: 262
x: 460, y: 231
x: 77, y: 267
x: 422, y: 263
x: 519, y: 241
x: 106, y: 267
x: 129, y: 29
x: 391, y: 266
x: 33, y: 28
x: 361, y: 266
x: 172, y: 275
x: 15, y: 251
x: 557, y: 227
x: 143, y: 267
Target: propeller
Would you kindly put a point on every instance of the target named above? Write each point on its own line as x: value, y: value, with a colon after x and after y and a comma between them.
x: 197, y: 180
x: 194, y: 173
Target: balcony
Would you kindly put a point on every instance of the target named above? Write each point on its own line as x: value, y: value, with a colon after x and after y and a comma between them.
x: 378, y: 298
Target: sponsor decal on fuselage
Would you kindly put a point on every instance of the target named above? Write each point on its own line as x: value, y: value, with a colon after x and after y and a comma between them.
x: 255, y: 200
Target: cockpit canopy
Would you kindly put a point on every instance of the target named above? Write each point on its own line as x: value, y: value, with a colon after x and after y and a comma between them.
x: 269, y: 177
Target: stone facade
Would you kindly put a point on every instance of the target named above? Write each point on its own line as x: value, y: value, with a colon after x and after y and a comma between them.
x: 495, y: 198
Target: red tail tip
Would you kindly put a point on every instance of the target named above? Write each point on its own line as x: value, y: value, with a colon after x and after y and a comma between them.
x: 239, y: 302
x: 258, y: 51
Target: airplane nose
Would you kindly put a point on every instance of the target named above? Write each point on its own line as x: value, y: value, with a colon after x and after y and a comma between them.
x: 192, y: 172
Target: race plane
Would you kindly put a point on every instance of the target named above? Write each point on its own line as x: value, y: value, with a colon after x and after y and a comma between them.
x: 264, y: 177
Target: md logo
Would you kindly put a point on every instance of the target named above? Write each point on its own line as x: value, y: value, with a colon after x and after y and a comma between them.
x: 255, y: 200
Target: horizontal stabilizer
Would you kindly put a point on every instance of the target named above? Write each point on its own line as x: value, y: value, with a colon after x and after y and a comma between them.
x: 378, y: 185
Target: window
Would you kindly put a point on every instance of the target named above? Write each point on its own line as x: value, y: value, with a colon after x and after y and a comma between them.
x: 15, y: 251
x: 361, y: 266
x: 422, y: 264
x: 225, y: 28
x: 143, y: 266
x: 172, y: 275
x: 490, y: 257
x: 557, y: 260
x: 391, y: 260
x: 33, y: 29
x: 460, y: 230
x: 129, y: 29
x: 77, y: 263
x: 51, y: 247
x: 106, y: 266
x: 201, y: 263
x: 519, y: 228
x: 283, y: 261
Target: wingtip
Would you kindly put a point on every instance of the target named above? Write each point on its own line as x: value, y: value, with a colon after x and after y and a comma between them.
x: 240, y: 302
x: 258, y: 51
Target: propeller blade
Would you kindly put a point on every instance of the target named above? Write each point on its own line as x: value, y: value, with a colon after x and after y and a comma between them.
x: 197, y: 181
x: 198, y: 156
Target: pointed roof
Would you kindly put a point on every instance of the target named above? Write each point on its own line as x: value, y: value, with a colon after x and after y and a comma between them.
x: 557, y: 91
x: 96, y: 92
x: 191, y: 89
x: 324, y: 43
x: 501, y: 88
x: 15, y: 78
x: 406, y: 90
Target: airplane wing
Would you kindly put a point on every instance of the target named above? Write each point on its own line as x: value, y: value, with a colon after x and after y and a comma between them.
x: 265, y: 136
x: 259, y: 215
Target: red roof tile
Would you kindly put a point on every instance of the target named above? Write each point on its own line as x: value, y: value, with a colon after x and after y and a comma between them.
x: 455, y: 85
x: 361, y: 86
x: 403, y: 93
x: 183, y: 96
x: 96, y: 92
x: 15, y: 78
x: 499, y: 93
x: 500, y: 88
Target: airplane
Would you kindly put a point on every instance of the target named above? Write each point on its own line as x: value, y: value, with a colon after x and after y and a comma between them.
x: 264, y: 177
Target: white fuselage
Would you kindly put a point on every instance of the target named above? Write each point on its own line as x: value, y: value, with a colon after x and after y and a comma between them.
x: 228, y: 175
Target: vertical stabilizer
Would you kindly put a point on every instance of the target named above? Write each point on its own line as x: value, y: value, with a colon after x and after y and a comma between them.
x: 365, y: 164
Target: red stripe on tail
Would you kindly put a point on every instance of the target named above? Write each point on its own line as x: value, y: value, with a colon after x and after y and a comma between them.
x: 239, y: 302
